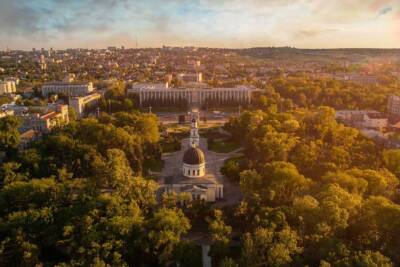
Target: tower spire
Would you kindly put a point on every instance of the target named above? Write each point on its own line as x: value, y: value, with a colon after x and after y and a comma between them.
x: 194, y: 134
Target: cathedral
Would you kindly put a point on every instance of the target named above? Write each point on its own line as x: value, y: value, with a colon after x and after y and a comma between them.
x: 194, y: 178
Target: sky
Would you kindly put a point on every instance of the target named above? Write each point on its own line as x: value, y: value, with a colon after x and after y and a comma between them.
x: 60, y: 24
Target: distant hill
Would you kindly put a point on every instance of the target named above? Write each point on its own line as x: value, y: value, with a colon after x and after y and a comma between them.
x: 351, y: 54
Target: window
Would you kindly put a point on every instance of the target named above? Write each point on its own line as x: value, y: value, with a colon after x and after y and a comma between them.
x: 188, y: 172
x: 193, y: 172
x: 198, y: 172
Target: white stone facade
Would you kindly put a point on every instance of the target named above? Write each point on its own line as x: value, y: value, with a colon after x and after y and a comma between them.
x: 194, y: 171
x: 68, y: 89
x: 194, y: 139
x: 80, y: 103
x: 147, y: 92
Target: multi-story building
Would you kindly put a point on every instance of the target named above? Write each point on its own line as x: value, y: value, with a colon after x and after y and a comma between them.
x: 67, y: 88
x: 393, y: 108
x: 355, y: 78
x: 7, y: 87
x: 147, y: 86
x: 197, y: 95
x: 44, y: 123
x: 79, y: 104
x: 363, y: 119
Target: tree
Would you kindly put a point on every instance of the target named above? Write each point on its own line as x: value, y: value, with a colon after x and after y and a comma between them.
x: 220, y: 236
x: 228, y: 262
x: 72, y: 114
x: 306, y: 158
x: 9, y: 173
x: 250, y: 183
x: 381, y: 182
x: 18, y: 251
x: 352, y: 184
x: 271, y: 146
x: 115, y: 90
x: 282, y: 182
x: 391, y: 158
x: 336, y: 207
x: 231, y: 169
x: 165, y: 229
x: 117, y: 171
x: 270, y: 247
x: 365, y: 258
x: 9, y: 135
x: 144, y: 124
x: 377, y: 226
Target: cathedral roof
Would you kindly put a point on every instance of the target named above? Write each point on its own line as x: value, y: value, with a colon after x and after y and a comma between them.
x: 194, y: 156
x: 208, y: 179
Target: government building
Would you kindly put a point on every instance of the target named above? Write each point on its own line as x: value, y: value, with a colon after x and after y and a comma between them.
x: 67, y: 88
x: 194, y: 179
x: 149, y: 93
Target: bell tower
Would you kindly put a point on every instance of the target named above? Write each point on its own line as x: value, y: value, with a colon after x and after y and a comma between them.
x: 194, y: 134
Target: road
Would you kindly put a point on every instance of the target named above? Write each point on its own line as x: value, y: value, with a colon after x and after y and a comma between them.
x: 170, y: 118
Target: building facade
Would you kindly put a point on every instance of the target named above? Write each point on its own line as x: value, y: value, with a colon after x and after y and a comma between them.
x: 161, y: 93
x: 194, y: 179
x: 194, y: 139
x: 80, y: 103
x: 67, y: 88
x: 363, y: 119
x: 393, y: 105
x: 7, y: 87
x: 44, y: 123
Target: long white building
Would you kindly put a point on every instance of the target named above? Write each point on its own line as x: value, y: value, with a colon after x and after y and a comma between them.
x: 195, y: 95
x: 67, y: 88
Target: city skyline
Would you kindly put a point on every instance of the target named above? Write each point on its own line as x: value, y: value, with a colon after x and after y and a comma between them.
x: 221, y: 23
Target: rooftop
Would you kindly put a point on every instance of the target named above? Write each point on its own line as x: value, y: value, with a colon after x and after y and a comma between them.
x: 181, y: 179
x: 194, y: 156
x: 66, y: 83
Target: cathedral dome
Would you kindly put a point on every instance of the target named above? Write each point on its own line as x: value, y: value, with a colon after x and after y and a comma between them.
x: 194, y: 156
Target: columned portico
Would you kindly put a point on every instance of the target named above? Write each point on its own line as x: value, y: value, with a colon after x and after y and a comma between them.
x: 239, y: 94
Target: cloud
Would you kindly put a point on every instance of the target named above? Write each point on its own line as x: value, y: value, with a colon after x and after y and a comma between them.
x: 307, y: 33
x: 385, y: 10
x: 18, y: 18
x: 232, y: 23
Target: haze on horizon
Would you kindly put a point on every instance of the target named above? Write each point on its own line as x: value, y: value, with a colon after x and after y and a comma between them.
x: 208, y: 23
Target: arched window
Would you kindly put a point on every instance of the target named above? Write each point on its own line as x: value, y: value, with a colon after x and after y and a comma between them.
x: 188, y: 172
x: 198, y: 172
x: 193, y: 172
